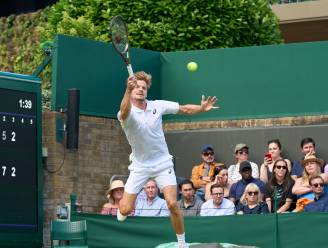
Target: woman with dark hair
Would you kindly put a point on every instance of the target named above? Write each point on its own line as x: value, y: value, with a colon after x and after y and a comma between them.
x: 220, y: 176
x: 278, y: 191
x: 274, y: 149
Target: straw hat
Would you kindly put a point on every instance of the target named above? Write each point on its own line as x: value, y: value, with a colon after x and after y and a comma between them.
x: 115, y: 185
x: 312, y: 158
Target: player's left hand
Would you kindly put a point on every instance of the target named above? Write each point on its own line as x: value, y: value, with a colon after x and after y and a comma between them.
x: 208, y: 104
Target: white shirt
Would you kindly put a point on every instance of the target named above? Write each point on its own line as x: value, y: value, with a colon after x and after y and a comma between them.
x: 226, y: 208
x: 157, y: 207
x: 234, y: 174
x: 145, y: 134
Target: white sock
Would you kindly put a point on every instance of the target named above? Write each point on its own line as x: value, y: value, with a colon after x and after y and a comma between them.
x: 181, y: 238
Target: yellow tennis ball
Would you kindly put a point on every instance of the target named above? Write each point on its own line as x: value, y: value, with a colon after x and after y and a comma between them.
x: 192, y: 66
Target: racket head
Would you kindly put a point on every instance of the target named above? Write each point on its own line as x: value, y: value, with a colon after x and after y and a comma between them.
x: 119, y: 33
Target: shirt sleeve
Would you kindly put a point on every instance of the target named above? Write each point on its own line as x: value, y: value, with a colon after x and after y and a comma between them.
x: 168, y: 107
x: 267, y: 191
x: 164, y: 210
x: 255, y: 170
x: 232, y: 193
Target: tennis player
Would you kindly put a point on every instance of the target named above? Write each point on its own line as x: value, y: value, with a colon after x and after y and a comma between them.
x: 141, y: 121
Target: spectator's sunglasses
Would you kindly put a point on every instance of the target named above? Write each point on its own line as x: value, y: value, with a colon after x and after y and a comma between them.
x: 252, y: 192
x: 208, y: 154
x: 316, y: 185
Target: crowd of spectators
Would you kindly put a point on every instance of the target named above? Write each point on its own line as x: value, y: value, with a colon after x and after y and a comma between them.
x: 277, y: 186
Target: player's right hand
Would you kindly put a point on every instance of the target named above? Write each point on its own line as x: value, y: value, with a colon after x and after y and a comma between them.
x: 131, y: 83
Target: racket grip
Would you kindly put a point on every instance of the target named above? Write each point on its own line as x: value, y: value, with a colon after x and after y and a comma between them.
x: 129, y: 67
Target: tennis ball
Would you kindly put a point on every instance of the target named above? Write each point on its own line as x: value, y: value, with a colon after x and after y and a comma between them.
x: 192, y: 66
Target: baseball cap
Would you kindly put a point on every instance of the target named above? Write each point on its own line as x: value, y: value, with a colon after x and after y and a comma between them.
x: 207, y: 147
x: 240, y: 146
x: 245, y: 164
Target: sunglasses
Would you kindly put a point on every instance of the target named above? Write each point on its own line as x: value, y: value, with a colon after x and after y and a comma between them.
x: 208, y: 153
x: 279, y: 167
x: 252, y: 192
x: 243, y: 152
x: 316, y: 185
x: 218, y: 194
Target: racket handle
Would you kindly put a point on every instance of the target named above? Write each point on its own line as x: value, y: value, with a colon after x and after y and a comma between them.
x: 129, y: 67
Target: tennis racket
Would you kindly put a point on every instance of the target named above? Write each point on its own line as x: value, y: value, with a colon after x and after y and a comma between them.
x: 119, y: 33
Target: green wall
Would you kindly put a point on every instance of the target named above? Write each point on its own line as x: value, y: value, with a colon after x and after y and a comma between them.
x: 289, y: 230
x: 98, y: 71
x: 250, y: 82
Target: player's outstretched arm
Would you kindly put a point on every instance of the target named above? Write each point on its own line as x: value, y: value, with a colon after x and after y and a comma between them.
x: 206, y: 104
x: 125, y: 107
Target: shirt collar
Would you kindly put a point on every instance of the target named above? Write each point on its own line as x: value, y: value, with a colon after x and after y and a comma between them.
x: 193, y: 202
x: 149, y: 107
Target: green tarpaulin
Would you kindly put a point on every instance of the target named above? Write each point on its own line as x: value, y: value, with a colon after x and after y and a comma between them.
x: 284, y: 230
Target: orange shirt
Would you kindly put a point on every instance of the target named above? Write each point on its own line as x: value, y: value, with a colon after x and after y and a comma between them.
x: 198, y: 172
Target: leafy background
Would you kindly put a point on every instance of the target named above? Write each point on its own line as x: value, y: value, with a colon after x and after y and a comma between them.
x: 163, y: 25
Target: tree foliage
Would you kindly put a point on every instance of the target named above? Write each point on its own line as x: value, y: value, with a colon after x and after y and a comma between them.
x: 170, y: 25
x: 162, y: 25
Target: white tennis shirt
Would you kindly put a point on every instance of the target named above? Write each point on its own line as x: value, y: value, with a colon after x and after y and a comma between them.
x: 144, y: 132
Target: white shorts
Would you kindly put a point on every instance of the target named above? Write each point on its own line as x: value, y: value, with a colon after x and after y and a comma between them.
x: 163, y: 174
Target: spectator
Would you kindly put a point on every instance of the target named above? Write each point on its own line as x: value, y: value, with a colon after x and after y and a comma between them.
x: 114, y: 194
x: 280, y: 188
x: 320, y: 203
x: 218, y: 205
x: 241, y: 153
x: 201, y: 174
x: 302, y: 188
x: 307, y: 147
x: 189, y: 204
x: 220, y: 177
x: 152, y: 204
x: 238, y: 188
x: 274, y: 153
x: 250, y: 202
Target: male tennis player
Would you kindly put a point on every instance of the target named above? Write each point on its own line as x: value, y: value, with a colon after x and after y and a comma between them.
x: 141, y: 121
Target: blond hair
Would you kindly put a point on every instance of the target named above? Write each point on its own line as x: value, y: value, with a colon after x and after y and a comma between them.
x: 249, y: 187
x: 306, y: 176
x: 141, y: 75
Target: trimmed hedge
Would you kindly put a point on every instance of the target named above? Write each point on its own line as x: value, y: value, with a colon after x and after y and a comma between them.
x: 163, y: 25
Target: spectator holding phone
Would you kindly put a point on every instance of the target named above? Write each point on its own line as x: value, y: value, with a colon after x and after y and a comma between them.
x: 273, y: 154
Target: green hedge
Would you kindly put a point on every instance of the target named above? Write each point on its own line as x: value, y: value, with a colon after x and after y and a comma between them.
x: 163, y: 25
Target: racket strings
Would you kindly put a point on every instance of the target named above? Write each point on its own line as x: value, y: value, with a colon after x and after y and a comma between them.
x: 119, y: 35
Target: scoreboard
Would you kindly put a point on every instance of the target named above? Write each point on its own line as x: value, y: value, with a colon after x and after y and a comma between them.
x: 20, y: 161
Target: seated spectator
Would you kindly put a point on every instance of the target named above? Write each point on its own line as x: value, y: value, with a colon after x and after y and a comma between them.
x: 278, y: 191
x: 302, y: 188
x: 218, y: 205
x: 273, y: 154
x: 237, y: 189
x: 241, y: 153
x: 151, y: 204
x: 114, y: 194
x: 250, y: 202
x: 220, y: 177
x: 189, y: 204
x: 320, y: 203
x: 201, y: 174
x: 307, y: 148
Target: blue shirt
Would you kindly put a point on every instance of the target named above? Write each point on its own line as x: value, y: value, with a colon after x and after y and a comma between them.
x: 238, y: 188
x: 319, y: 205
x: 157, y: 207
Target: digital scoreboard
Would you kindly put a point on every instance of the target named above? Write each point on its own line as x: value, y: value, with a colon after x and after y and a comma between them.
x: 20, y: 161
